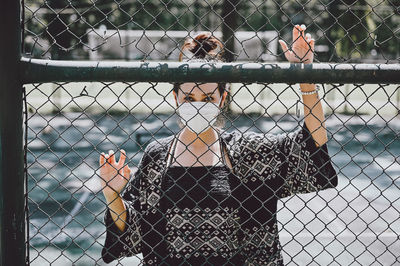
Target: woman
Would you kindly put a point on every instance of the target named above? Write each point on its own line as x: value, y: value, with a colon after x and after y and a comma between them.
x: 210, y: 197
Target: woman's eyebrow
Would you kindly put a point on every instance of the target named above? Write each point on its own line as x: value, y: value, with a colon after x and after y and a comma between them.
x: 204, y: 94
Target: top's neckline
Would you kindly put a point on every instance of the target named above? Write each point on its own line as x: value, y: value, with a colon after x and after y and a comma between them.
x: 172, y: 147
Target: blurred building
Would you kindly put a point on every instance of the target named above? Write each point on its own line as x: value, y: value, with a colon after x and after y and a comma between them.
x: 165, y: 45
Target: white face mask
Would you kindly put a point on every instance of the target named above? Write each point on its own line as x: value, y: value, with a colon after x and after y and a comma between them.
x: 199, y: 116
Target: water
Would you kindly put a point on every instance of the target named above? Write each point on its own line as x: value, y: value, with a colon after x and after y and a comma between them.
x: 358, y: 221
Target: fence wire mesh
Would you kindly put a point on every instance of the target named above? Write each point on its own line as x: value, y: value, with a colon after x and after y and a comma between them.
x: 355, y: 224
x: 68, y: 126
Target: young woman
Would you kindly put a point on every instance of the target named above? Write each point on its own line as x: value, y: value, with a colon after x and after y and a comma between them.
x: 206, y: 196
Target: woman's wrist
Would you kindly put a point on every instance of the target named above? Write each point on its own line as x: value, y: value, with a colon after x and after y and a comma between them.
x: 307, y: 86
x: 309, y: 90
x: 110, y: 195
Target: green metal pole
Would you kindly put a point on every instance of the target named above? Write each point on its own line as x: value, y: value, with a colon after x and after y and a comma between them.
x: 12, y: 215
x: 40, y: 71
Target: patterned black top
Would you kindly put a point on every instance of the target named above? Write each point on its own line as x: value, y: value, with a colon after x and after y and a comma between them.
x: 267, y: 167
x: 201, y: 217
x: 201, y: 212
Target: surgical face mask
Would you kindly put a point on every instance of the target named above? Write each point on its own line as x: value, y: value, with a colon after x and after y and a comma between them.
x: 199, y: 116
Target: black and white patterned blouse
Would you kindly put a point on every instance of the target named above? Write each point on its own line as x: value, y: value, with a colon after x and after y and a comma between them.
x: 267, y: 166
x: 201, y: 206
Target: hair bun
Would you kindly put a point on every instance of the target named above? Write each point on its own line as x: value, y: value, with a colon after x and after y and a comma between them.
x: 202, y: 46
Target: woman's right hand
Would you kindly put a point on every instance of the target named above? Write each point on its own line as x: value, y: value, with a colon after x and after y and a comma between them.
x: 302, y: 50
x: 114, y: 175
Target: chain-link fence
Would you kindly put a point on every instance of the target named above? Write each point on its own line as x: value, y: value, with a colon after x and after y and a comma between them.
x: 69, y: 124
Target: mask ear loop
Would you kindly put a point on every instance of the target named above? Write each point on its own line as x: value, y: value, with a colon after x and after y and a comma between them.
x: 220, y: 101
x: 220, y: 107
x: 177, y: 101
x: 220, y: 138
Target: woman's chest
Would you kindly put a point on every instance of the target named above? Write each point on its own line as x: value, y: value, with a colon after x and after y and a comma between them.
x: 199, y: 187
x: 153, y: 187
x: 201, y: 212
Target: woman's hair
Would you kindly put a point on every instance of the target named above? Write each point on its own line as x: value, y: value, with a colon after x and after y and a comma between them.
x: 204, y: 47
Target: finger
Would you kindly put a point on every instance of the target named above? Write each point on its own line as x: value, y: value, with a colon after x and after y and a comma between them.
x: 302, y: 29
x: 285, y: 49
x: 111, y: 158
x: 127, y: 172
x: 283, y: 45
x: 308, y: 37
x: 102, y: 159
x: 312, y: 44
x: 122, y: 159
x: 296, y: 32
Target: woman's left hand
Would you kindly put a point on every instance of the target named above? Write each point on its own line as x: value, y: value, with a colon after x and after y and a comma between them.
x: 302, y: 50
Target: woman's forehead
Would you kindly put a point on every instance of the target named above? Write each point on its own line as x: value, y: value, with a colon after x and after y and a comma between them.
x: 200, y: 88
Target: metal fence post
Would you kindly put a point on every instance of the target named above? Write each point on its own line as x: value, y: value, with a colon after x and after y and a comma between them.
x: 12, y: 215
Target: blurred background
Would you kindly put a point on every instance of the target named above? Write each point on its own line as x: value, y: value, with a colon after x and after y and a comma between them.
x: 344, y: 30
x: 69, y: 124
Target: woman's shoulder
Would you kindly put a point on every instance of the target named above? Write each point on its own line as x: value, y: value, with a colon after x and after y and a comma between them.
x: 246, y: 136
x: 156, y: 146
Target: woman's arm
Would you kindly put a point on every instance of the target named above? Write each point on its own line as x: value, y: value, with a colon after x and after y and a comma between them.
x: 314, y: 115
x: 114, y: 177
x: 123, y: 235
x: 117, y: 210
x: 302, y: 51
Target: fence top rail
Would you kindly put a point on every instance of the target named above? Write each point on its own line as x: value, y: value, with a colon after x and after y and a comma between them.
x: 42, y: 71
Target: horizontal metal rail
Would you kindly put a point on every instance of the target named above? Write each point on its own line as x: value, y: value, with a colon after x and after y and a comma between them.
x: 41, y: 71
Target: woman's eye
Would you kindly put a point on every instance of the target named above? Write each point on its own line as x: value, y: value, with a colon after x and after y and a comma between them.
x: 209, y: 99
x: 189, y: 99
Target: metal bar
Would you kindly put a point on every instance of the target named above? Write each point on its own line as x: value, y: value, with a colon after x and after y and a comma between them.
x: 12, y: 202
x: 40, y: 71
